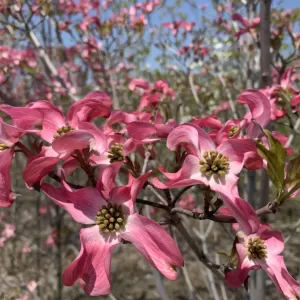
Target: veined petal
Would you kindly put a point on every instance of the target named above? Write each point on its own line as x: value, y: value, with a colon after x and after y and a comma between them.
x: 6, y: 195
x: 260, y: 108
x: 139, y: 130
x: 273, y: 241
x: 83, y: 204
x: 154, y: 243
x: 94, y: 104
x: 239, y: 208
x: 9, y: 134
x: 77, y: 139
x: 285, y: 283
x: 92, y: 264
x: 107, y: 179
x: 138, y: 184
x: 23, y: 117
x: 99, y: 142
x: 38, y: 168
x: 53, y: 119
x: 191, y: 134
x: 237, y: 150
x: 189, y: 174
x: 118, y: 116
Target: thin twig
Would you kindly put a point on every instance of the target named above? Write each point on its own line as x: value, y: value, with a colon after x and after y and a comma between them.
x: 147, y: 202
x: 177, y: 197
x: 199, y: 253
x: 157, y: 194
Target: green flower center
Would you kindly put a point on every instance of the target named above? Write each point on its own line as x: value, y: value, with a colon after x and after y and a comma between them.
x: 256, y: 248
x: 110, y: 218
x: 3, y: 147
x: 214, y: 163
x: 63, y: 130
x: 115, y: 153
x: 233, y: 130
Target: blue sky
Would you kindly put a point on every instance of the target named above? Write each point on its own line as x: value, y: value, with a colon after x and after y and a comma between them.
x: 193, y: 15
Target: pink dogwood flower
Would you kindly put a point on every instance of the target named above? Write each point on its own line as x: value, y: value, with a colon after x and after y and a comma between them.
x: 212, y: 166
x: 248, y: 26
x: 110, y: 210
x: 261, y: 249
x: 66, y: 134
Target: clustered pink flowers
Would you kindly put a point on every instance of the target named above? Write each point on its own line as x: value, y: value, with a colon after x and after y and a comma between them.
x: 208, y: 153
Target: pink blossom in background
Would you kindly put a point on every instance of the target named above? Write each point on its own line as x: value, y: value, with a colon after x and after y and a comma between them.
x: 26, y: 249
x: 8, y: 231
x: 22, y: 298
x: 43, y: 210
x: 51, y: 240
x: 31, y: 286
x: 222, y: 107
x: 247, y: 26
x: 188, y: 202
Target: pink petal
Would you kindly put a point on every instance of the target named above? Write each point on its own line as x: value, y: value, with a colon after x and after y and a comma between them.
x: 255, y: 21
x: 222, y: 134
x: 260, y: 108
x: 154, y: 243
x: 83, y: 204
x: 9, y: 134
x: 70, y: 166
x: 237, y: 150
x: 253, y: 161
x: 6, y: 195
x: 77, y: 139
x: 99, y: 142
x: 92, y: 264
x: 138, y: 184
x: 129, y: 146
x: 23, y: 117
x: 285, y: 283
x: 138, y: 83
x: 189, y: 174
x: 118, y: 116
x: 139, y: 130
x: 238, y: 276
x: 38, y: 168
x: 53, y: 119
x: 211, y: 122
x: 93, y: 105
x: 273, y: 241
x: 101, y: 160
x: 163, y: 130
x: 106, y: 179
x: 239, y: 18
x: 191, y: 134
x: 239, y: 208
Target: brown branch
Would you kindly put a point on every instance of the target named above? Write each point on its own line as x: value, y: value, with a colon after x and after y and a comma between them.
x: 154, y: 204
x: 270, y: 208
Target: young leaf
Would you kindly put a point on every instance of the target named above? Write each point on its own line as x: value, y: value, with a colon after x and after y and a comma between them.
x: 275, y: 167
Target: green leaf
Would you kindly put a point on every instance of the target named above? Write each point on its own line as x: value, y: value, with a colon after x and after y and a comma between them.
x: 293, y: 170
x: 276, y: 147
x: 275, y: 167
x: 292, y: 180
